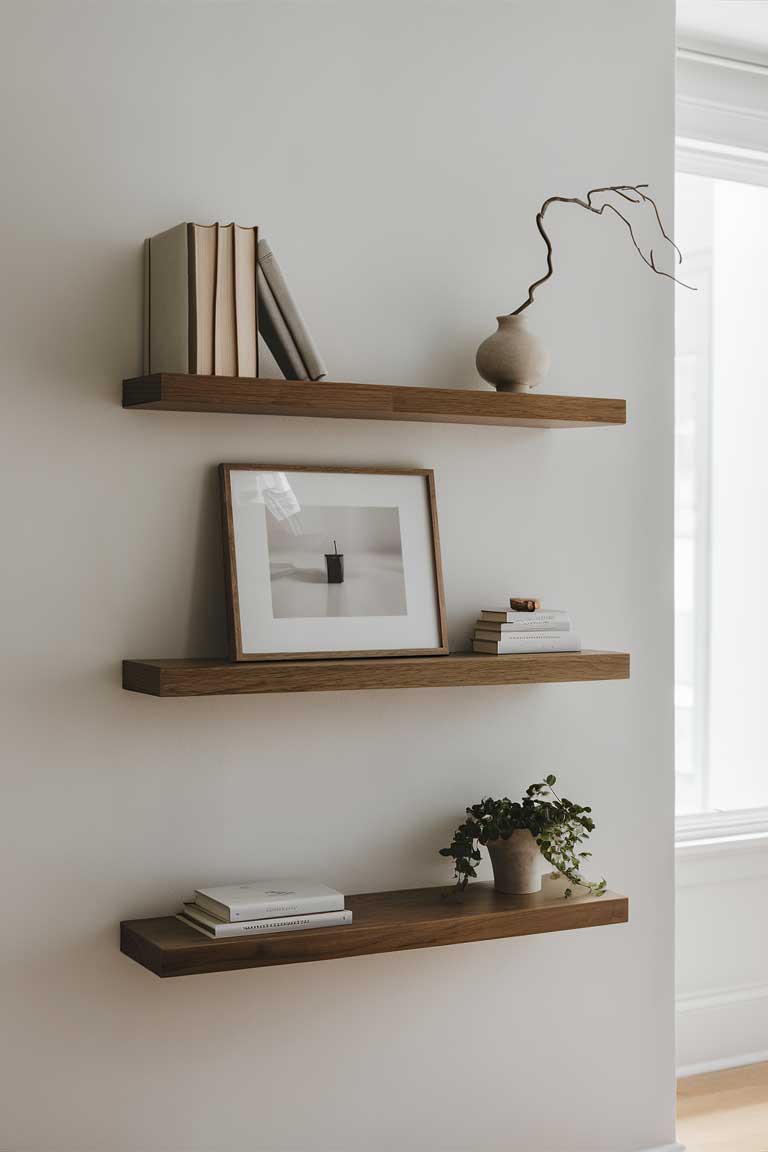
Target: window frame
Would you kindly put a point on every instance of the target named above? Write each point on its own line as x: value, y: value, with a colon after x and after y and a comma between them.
x: 700, y: 157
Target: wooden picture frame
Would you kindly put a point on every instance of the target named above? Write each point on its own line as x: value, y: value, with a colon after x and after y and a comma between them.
x: 255, y: 580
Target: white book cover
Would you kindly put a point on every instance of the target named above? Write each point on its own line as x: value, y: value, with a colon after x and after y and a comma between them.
x: 220, y: 930
x: 506, y: 637
x: 531, y: 642
x: 260, y: 898
x: 540, y: 616
x: 500, y: 627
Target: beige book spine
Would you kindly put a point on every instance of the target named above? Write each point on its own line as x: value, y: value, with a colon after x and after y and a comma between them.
x: 145, y: 359
x: 247, y: 327
x: 225, y: 340
x: 202, y: 245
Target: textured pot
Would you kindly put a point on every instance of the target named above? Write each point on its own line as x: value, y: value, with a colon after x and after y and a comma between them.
x: 512, y: 359
x: 517, y: 863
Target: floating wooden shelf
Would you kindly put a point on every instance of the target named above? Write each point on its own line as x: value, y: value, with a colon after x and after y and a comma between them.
x: 383, y: 922
x: 178, y: 393
x: 221, y: 678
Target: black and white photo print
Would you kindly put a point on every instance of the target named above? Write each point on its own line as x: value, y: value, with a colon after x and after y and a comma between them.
x: 337, y: 561
x: 332, y: 561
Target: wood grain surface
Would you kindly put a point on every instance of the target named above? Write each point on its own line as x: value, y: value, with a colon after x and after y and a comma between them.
x: 383, y: 922
x: 325, y: 398
x: 724, y: 1111
x: 217, y: 677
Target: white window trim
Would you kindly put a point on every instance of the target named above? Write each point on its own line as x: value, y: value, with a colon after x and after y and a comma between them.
x: 721, y: 161
x: 702, y: 564
x: 721, y: 60
x: 746, y: 827
x: 705, y: 826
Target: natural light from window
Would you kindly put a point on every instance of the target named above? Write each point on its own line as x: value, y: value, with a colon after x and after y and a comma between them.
x: 721, y: 496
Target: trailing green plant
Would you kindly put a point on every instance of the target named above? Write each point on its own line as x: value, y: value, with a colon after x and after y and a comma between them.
x: 559, y: 827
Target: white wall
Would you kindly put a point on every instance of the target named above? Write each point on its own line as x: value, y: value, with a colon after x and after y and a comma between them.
x: 395, y: 155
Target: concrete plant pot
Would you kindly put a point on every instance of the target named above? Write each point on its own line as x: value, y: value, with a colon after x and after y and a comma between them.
x: 517, y: 863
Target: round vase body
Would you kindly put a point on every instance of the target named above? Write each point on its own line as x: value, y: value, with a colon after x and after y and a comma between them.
x: 512, y: 359
x: 517, y: 863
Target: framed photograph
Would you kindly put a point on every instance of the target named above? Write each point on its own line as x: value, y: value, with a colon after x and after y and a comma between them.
x: 331, y: 562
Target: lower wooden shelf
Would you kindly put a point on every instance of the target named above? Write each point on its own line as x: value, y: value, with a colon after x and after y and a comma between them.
x: 383, y: 922
x: 219, y: 677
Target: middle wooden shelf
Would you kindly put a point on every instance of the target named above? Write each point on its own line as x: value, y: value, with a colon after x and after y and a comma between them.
x: 217, y: 677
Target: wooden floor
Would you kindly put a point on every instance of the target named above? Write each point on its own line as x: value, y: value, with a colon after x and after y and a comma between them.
x: 724, y: 1111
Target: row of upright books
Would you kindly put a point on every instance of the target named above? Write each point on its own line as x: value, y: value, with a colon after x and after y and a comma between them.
x: 209, y: 291
x: 262, y: 906
x: 524, y: 627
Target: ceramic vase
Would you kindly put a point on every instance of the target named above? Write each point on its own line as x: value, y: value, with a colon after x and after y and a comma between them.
x: 512, y: 359
x: 517, y: 863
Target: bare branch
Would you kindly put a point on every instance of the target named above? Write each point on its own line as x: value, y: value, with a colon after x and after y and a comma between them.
x: 625, y: 191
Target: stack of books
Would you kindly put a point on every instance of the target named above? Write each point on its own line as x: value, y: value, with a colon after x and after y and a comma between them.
x: 500, y: 631
x: 264, y: 906
x: 209, y: 290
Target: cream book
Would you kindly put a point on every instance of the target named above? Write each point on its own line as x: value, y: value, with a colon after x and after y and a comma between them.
x: 500, y: 628
x: 529, y: 642
x: 200, y: 301
x: 225, y: 323
x: 179, y: 286
x: 223, y: 929
x: 261, y: 898
x: 246, y: 317
x: 511, y: 616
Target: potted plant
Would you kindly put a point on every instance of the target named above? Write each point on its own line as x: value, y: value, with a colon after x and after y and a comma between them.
x: 518, y: 833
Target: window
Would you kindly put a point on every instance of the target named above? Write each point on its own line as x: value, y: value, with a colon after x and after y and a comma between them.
x: 721, y: 484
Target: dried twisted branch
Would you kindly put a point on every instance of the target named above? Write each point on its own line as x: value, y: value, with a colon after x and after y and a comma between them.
x: 626, y: 191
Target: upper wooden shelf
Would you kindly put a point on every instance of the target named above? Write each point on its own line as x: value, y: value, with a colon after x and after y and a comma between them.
x: 178, y: 393
x: 383, y: 922
x: 222, y: 678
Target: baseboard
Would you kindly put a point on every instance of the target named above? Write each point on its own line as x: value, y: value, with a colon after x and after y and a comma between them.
x: 722, y: 1028
x: 722, y: 1064
x: 721, y: 997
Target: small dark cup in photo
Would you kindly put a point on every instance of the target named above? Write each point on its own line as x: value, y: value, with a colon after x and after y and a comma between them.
x: 334, y: 566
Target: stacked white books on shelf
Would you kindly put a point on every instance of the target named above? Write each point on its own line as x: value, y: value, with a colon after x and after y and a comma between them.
x: 264, y: 906
x: 501, y: 631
